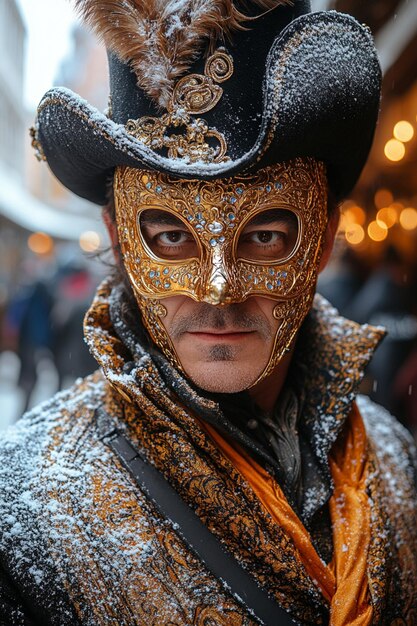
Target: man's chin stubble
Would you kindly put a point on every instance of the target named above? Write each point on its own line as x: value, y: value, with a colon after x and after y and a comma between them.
x: 222, y: 372
x: 223, y: 381
x: 221, y: 352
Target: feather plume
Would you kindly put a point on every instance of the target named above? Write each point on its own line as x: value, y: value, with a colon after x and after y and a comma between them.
x: 162, y: 38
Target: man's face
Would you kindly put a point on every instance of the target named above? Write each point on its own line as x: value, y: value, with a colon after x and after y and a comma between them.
x: 222, y: 349
x: 225, y: 349
x: 224, y: 272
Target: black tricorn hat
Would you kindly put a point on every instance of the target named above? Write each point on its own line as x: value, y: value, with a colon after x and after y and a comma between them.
x: 286, y: 83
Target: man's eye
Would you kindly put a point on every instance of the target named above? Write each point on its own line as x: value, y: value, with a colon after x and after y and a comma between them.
x: 265, y: 236
x: 172, y: 237
x: 269, y: 236
x: 166, y: 235
x: 173, y: 244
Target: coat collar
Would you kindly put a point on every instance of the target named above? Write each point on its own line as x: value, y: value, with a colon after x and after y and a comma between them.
x: 331, y: 356
x: 329, y: 363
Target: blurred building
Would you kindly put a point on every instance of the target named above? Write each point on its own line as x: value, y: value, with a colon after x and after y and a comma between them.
x: 382, y: 210
x: 12, y: 118
x: 373, y: 276
x: 85, y: 72
x: 36, y: 212
x: 12, y: 129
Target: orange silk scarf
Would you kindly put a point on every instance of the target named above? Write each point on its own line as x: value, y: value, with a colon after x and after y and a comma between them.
x: 343, y: 582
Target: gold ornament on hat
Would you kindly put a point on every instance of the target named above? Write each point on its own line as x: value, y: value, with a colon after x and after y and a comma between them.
x: 194, y: 94
x: 36, y: 144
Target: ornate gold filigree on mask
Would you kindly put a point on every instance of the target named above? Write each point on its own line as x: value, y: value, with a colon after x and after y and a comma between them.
x: 193, y: 95
x: 216, y: 213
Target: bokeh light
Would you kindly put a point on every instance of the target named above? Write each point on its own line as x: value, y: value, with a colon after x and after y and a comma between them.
x: 359, y: 215
x: 403, y: 131
x: 377, y: 231
x: 394, y: 150
x: 89, y: 241
x: 383, y: 198
x: 351, y: 214
x: 354, y: 234
x: 398, y: 206
x: 387, y: 217
x: 40, y: 243
x: 408, y: 218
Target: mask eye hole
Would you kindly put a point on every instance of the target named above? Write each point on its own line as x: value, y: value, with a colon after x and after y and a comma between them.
x: 270, y: 236
x: 166, y: 235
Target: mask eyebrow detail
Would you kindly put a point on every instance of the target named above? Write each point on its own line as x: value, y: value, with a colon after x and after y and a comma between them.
x: 273, y: 215
x: 156, y: 217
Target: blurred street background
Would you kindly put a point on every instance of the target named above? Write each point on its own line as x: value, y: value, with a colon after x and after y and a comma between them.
x: 49, y: 239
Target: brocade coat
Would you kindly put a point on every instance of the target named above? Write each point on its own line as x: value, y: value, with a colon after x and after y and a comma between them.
x: 81, y: 543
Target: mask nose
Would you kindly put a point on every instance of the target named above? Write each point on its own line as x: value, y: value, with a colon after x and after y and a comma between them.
x: 217, y: 287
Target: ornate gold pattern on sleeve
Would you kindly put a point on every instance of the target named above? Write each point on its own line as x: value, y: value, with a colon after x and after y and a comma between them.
x: 193, y: 95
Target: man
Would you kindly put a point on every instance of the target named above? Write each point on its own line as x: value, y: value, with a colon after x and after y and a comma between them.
x: 217, y: 469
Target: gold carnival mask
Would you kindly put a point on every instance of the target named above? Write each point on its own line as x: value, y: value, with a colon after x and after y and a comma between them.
x: 223, y: 241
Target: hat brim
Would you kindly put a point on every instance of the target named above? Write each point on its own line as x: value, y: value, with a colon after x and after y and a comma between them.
x: 321, y: 95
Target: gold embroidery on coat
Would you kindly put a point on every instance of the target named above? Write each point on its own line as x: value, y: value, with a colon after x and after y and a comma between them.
x: 161, y: 581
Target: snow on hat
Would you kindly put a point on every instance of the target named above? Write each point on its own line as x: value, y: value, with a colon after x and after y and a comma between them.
x: 211, y: 88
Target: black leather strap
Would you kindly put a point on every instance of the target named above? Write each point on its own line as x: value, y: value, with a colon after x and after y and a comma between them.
x: 195, y: 534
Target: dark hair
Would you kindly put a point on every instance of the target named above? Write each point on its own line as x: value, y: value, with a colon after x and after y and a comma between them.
x: 333, y: 205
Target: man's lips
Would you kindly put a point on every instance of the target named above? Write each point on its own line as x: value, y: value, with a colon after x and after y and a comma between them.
x: 221, y: 336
